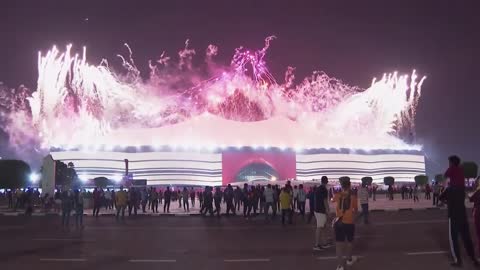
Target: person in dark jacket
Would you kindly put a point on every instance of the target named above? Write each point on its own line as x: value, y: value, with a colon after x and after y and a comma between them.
x: 458, y: 224
x: 192, y: 196
x: 207, y: 201
x: 311, y: 203
x: 67, y: 205
x: 133, y: 201
x: 167, y: 197
x: 228, y: 197
x: 218, y: 200
x: 246, y: 204
x: 200, y: 199
x: 237, y: 197
x: 78, y: 206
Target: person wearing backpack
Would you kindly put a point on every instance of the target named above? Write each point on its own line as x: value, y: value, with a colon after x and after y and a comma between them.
x: 344, y: 226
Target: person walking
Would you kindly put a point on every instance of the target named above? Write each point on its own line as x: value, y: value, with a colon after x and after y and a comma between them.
x: 67, y: 205
x: 255, y: 199
x: 28, y: 202
x: 321, y: 211
x: 363, y: 197
x: 167, y: 197
x: 207, y: 201
x: 160, y: 196
x: 269, y: 202
x: 301, y: 200
x: 218, y: 200
x: 295, y: 198
x: 428, y: 190
x: 185, y: 195
x: 144, y: 199
x: 113, y: 206
x: 262, y: 199
x: 154, y: 200
x: 78, y: 206
x: 436, y: 193
x: 237, y: 198
x: 121, y: 199
x: 344, y: 227
x: 133, y: 199
x: 179, y: 197
x: 390, y: 192
x: 415, y: 194
x: 200, y: 198
x: 286, y: 205
x: 228, y: 196
x: 454, y: 196
x: 108, y: 199
x: 192, y: 196
x: 311, y: 203
x: 245, y: 194
x: 276, y: 196
x: 97, y: 202
x: 10, y: 198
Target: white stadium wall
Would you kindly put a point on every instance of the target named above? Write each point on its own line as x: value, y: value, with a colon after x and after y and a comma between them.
x: 158, y: 168
x: 197, y: 168
x: 403, y: 167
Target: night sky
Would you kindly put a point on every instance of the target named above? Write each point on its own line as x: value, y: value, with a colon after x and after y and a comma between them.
x: 351, y: 40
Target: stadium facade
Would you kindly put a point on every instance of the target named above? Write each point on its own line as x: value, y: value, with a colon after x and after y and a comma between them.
x: 239, y: 165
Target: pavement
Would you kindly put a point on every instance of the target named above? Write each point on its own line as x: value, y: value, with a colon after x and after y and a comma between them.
x: 394, y: 240
x: 380, y: 204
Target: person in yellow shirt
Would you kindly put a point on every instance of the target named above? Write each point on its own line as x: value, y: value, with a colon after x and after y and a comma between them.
x: 346, y: 209
x: 285, y: 205
x: 121, y: 202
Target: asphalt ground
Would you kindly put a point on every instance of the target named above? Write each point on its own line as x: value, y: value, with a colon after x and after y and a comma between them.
x: 395, y: 240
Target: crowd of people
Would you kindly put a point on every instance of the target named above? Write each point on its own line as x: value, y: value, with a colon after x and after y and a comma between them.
x: 257, y: 201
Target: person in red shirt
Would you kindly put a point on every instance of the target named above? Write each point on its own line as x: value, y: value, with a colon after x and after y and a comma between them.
x: 455, y: 172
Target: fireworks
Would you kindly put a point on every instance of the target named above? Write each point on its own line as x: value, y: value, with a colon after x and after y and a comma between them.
x: 79, y: 104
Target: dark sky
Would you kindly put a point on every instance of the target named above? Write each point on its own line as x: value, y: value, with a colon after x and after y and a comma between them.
x: 352, y: 40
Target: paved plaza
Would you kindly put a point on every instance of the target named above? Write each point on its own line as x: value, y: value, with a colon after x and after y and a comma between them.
x: 394, y: 240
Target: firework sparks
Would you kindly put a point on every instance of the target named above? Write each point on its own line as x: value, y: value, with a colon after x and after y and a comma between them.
x: 83, y: 104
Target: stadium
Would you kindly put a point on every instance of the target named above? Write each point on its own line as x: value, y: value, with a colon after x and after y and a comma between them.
x: 236, y: 124
x: 184, y: 160
x: 242, y: 165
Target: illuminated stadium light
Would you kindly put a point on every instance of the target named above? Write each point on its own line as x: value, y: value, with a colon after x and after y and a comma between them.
x: 299, y: 149
x: 34, y: 177
x: 84, y: 178
x: 211, y: 147
x: 117, y: 178
x: 273, y: 178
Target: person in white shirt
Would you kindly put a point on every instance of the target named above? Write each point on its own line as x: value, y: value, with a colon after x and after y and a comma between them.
x: 108, y: 199
x: 363, y: 198
x: 268, y: 193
